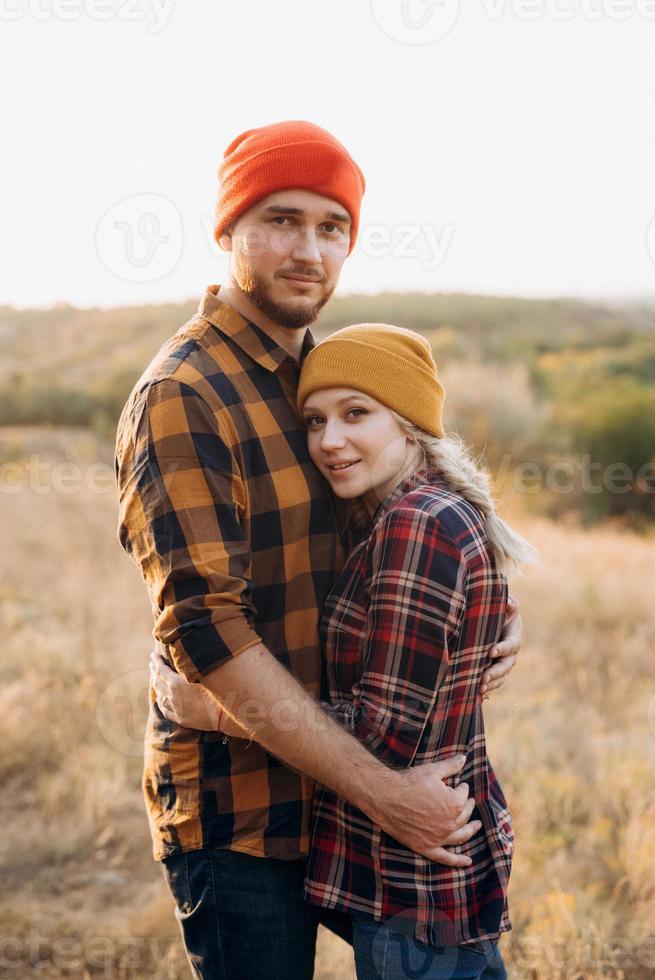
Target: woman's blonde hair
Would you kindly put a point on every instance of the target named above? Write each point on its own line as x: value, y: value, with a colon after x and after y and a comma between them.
x: 450, y: 456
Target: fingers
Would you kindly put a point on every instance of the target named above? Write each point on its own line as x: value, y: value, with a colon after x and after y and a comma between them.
x: 461, y: 791
x: 459, y: 836
x: 465, y: 815
x: 162, y: 688
x: 508, y: 646
x: 463, y: 834
x: 159, y: 673
x: 450, y: 766
x: 157, y: 679
x: 449, y: 858
x: 496, y: 675
x: 163, y: 676
x: 512, y: 609
x: 510, y: 641
x: 158, y: 663
x: 164, y: 703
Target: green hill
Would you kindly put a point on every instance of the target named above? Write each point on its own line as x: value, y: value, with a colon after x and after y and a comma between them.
x: 545, y: 381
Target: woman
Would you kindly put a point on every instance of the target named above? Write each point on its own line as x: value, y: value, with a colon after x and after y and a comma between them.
x: 406, y: 633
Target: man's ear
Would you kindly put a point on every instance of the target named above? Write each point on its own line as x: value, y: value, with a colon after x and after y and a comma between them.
x: 225, y: 239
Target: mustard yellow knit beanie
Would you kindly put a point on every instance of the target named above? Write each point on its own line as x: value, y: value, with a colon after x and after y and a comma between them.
x: 393, y: 365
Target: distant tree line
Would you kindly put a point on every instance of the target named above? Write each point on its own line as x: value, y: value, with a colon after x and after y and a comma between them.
x: 553, y: 383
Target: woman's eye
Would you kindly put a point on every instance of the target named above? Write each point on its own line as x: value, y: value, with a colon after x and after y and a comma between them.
x: 312, y: 421
x: 356, y: 412
x: 280, y: 219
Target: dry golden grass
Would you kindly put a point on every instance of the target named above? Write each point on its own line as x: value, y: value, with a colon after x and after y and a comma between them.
x: 569, y: 736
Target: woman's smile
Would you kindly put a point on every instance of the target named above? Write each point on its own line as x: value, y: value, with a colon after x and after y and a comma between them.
x: 342, y: 467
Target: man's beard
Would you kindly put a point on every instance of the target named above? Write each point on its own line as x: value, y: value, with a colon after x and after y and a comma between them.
x: 256, y: 289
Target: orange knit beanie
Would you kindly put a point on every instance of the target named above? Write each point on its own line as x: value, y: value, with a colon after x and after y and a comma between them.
x: 282, y: 156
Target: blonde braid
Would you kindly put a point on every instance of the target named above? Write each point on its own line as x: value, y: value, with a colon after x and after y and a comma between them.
x: 453, y: 460
x: 450, y: 456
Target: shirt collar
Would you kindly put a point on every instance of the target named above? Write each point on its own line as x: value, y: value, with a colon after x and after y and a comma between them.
x: 425, y: 476
x: 250, y: 338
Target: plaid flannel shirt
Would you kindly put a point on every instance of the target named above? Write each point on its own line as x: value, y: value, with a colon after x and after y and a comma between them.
x: 406, y: 632
x: 235, y: 534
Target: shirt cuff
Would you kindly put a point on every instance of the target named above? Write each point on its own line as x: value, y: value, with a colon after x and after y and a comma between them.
x: 198, y: 650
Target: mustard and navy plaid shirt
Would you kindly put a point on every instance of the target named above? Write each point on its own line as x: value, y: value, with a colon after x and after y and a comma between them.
x: 235, y: 534
x: 407, y: 631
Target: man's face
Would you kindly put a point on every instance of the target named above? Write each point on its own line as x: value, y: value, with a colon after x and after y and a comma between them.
x: 287, y: 253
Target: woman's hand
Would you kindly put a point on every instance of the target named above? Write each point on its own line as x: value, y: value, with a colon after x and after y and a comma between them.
x: 505, y: 652
x: 188, y: 705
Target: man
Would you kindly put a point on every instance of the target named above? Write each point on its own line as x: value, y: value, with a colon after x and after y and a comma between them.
x: 237, y: 539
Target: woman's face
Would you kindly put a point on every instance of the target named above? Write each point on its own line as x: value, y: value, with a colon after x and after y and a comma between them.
x: 357, y: 444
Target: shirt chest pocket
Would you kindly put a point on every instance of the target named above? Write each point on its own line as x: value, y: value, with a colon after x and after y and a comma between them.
x: 343, y: 657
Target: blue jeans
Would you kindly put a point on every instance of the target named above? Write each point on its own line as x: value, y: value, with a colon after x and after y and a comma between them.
x: 244, y: 917
x: 381, y: 954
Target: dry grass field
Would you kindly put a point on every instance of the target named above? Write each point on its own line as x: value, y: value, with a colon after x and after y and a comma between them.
x: 570, y: 737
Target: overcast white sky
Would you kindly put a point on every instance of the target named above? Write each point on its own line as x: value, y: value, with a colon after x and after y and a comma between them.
x: 509, y: 147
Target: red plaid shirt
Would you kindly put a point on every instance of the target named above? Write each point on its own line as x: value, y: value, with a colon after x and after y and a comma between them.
x: 406, y: 633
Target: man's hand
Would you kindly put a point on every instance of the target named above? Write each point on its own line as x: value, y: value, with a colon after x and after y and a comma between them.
x: 416, y: 807
x: 413, y: 805
x: 505, y: 651
x: 419, y: 810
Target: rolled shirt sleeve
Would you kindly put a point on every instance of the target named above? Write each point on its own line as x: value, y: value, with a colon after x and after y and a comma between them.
x: 183, y: 505
x: 416, y: 590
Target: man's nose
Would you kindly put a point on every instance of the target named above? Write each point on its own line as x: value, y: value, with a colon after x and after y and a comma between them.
x: 306, y: 246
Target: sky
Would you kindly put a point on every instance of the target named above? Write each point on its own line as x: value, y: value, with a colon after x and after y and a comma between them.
x: 508, y: 145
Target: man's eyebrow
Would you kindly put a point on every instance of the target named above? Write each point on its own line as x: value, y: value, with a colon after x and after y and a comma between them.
x: 338, y: 216
x: 284, y: 209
